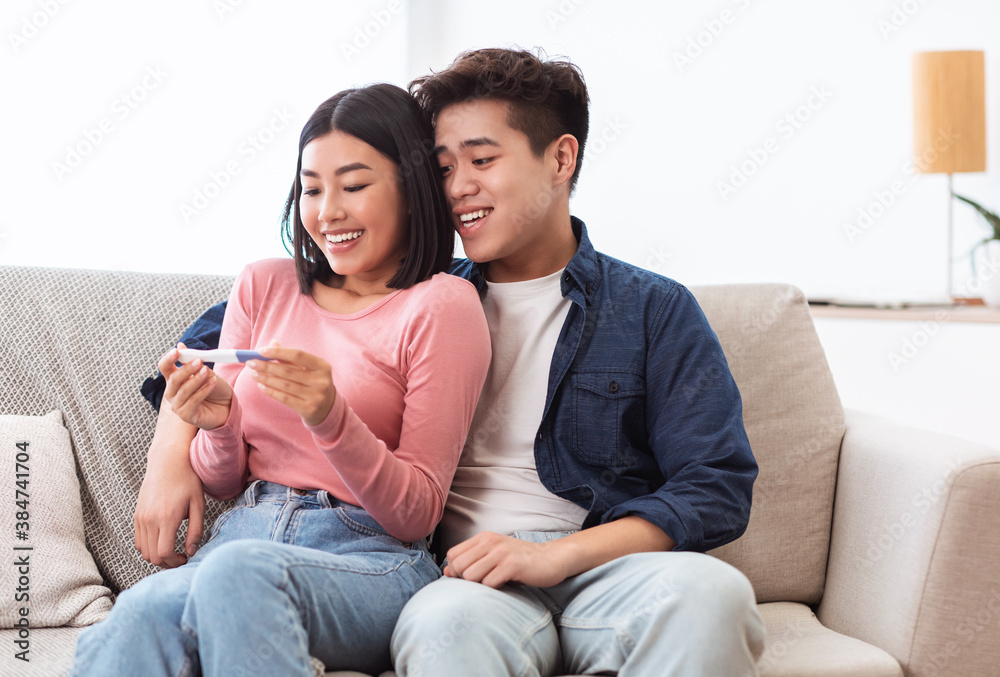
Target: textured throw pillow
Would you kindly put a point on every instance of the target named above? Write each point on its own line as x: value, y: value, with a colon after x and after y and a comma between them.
x: 48, y: 576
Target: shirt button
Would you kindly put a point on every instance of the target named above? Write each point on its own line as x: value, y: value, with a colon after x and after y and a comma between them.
x: 590, y: 289
x: 614, y: 387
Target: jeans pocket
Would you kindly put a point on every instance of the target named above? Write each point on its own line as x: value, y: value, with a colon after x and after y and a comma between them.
x: 609, y: 418
x: 360, y: 522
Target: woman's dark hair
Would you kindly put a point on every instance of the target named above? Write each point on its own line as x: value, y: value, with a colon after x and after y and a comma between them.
x: 546, y: 98
x: 388, y: 119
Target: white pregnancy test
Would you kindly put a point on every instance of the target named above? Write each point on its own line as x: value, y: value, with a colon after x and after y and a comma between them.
x: 222, y: 355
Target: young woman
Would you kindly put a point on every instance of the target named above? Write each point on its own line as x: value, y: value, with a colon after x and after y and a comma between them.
x: 340, y: 447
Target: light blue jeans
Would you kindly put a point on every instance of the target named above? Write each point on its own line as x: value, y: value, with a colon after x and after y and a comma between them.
x: 662, y: 614
x: 282, y: 577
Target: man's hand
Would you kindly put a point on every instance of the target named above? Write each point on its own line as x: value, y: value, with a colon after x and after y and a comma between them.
x: 298, y: 380
x: 493, y: 560
x: 170, y: 492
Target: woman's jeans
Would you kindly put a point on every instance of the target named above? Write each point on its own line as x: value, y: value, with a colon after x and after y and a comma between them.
x: 282, y: 577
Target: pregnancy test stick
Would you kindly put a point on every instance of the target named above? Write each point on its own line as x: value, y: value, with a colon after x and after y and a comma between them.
x: 190, y: 355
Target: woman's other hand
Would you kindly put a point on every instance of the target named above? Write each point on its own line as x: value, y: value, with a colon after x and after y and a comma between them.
x: 194, y: 392
x: 298, y: 380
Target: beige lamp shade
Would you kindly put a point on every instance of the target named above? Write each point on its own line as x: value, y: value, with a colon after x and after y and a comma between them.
x: 949, y: 112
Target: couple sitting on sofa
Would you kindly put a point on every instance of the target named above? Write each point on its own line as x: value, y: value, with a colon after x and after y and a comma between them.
x: 590, y: 461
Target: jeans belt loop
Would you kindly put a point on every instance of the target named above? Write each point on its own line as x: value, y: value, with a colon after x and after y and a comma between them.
x: 251, y: 492
x: 323, y: 498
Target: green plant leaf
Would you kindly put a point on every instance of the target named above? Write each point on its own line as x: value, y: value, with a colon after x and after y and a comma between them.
x: 992, y: 219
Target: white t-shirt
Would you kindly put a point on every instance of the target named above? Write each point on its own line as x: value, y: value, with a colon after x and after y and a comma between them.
x: 496, y: 487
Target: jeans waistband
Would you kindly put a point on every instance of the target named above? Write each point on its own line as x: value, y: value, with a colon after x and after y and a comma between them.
x: 259, y: 490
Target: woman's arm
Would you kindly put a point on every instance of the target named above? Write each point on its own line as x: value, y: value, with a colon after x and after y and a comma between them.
x: 219, y: 452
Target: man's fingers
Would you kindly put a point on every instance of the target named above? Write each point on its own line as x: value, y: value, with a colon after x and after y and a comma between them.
x: 165, y: 553
x: 138, y: 531
x: 470, y: 561
x: 148, y: 543
x: 196, y: 524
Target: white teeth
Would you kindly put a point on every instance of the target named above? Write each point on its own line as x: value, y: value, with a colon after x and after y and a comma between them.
x: 343, y: 237
x: 474, y: 216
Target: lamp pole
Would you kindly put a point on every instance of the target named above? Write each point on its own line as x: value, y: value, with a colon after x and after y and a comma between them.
x: 951, y: 237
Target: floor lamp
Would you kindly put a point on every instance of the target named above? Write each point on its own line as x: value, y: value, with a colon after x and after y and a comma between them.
x: 949, y: 120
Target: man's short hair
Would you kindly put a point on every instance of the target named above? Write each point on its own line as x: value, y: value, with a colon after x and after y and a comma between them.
x: 546, y: 98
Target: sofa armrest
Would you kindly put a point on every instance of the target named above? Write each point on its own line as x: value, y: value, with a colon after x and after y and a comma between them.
x: 915, y: 551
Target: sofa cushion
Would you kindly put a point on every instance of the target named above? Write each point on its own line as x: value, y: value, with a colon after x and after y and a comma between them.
x: 795, y: 422
x: 82, y: 341
x: 50, y: 578
x: 798, y: 646
x: 50, y: 655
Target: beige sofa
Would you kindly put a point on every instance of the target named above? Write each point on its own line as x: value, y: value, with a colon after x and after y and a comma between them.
x: 874, y: 549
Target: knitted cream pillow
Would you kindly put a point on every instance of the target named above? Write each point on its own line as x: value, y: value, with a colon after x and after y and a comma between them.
x: 48, y: 576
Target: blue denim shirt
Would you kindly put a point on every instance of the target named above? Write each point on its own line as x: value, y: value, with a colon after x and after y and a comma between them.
x: 642, y: 416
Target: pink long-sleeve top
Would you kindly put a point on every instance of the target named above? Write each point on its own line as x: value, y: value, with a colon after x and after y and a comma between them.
x: 408, y: 372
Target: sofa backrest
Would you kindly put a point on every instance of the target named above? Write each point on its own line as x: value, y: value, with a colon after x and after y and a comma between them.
x: 795, y: 422
x: 82, y: 341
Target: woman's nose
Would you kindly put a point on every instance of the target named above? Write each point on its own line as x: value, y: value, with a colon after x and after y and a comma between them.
x: 331, y: 210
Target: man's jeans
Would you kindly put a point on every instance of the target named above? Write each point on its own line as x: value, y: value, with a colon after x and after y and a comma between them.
x: 283, y: 576
x: 644, y: 615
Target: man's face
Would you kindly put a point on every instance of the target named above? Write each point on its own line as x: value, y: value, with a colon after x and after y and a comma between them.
x: 502, y: 195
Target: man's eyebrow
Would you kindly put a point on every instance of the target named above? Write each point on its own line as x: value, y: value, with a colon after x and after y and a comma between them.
x: 353, y: 167
x: 470, y: 143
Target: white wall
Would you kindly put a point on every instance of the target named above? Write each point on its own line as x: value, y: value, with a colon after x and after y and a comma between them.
x: 213, y: 75
x: 650, y: 195
x: 192, y: 93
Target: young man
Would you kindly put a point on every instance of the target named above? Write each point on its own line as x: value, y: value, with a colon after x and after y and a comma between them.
x: 608, y: 449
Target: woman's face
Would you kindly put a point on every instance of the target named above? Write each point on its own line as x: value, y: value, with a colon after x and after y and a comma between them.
x: 353, y: 207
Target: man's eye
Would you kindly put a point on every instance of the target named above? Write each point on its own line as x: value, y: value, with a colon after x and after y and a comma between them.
x: 445, y: 169
x: 355, y: 189
x: 479, y: 162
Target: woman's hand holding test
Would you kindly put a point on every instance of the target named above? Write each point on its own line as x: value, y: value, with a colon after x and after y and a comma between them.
x: 298, y: 380
x: 194, y: 392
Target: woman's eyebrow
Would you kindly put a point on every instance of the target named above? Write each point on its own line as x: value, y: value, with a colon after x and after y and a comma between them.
x: 353, y: 167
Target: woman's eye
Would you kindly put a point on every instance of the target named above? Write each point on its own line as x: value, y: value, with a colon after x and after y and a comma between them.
x: 355, y: 189
x: 310, y: 191
x: 444, y: 169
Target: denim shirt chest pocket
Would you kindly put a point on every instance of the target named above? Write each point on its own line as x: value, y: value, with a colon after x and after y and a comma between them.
x: 608, y: 412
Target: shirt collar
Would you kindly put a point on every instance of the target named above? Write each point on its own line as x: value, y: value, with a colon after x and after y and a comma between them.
x: 581, y: 279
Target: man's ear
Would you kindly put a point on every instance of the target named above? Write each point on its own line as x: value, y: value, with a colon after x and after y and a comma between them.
x: 564, y: 151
